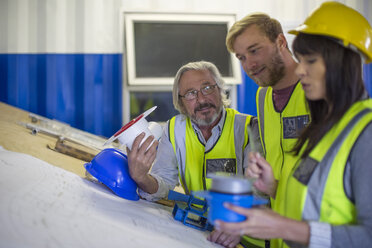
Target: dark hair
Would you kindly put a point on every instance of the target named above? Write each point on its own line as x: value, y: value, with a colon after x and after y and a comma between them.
x: 344, y: 86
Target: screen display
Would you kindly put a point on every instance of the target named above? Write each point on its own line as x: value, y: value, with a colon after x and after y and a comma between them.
x: 161, y: 48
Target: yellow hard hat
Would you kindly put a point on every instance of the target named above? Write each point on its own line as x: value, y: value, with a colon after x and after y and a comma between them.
x: 339, y: 21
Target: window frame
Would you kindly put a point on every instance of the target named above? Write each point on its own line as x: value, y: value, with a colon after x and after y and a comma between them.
x: 129, y: 51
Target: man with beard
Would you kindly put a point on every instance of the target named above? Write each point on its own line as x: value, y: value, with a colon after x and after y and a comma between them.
x: 207, y: 137
x: 259, y: 43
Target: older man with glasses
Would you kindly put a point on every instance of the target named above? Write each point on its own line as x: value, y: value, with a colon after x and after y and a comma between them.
x: 206, y: 137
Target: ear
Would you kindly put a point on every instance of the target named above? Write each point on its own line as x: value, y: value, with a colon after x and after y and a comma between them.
x: 281, y: 41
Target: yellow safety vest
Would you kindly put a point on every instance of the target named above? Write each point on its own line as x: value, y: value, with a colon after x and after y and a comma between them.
x: 279, y: 132
x: 193, y: 168
x: 315, y: 190
x: 195, y: 163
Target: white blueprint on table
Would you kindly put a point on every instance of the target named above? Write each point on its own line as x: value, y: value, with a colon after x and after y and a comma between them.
x: 45, y: 206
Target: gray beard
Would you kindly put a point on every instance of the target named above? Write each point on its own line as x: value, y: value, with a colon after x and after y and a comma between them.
x: 208, y: 121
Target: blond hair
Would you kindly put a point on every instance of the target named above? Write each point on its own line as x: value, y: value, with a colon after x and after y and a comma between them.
x: 270, y: 27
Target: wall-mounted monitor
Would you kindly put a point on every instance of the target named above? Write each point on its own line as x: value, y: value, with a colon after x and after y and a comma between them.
x: 157, y: 45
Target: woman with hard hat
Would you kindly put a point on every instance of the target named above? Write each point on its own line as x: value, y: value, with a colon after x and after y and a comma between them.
x: 328, y: 200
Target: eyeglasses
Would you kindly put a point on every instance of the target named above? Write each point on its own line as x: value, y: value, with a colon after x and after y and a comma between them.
x: 193, y: 94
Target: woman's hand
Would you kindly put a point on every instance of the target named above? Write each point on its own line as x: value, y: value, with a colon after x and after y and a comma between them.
x: 261, y: 223
x: 264, y: 223
x: 260, y: 169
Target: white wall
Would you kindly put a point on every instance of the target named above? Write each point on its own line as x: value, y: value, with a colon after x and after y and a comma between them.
x: 93, y: 26
x: 59, y: 26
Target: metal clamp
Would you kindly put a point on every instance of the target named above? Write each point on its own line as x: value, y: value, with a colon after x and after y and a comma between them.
x: 190, y: 211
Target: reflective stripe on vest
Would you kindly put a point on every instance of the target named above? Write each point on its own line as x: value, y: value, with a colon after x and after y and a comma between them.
x: 277, y: 142
x: 261, y: 114
x: 227, y: 152
x: 318, y: 181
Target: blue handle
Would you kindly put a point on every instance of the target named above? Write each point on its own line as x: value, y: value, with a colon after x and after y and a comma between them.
x: 175, y: 196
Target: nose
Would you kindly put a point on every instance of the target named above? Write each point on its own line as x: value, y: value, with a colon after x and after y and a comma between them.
x: 300, y: 70
x: 249, y: 65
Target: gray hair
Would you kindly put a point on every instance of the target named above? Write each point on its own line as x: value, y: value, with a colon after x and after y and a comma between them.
x: 198, y: 66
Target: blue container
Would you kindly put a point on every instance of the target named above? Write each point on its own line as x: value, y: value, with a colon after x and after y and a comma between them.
x: 216, y: 209
x: 110, y: 167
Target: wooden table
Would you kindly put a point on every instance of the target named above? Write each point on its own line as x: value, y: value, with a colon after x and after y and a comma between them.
x: 17, y: 138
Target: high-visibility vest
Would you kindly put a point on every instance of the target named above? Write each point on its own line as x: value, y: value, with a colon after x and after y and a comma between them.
x: 279, y: 132
x: 195, y: 163
x: 315, y: 189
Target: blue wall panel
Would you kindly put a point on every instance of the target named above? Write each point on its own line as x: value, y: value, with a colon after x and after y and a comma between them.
x: 247, y: 95
x: 367, y: 76
x: 83, y: 90
x: 3, y: 78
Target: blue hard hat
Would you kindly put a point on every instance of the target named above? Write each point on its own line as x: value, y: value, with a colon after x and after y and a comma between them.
x: 110, y: 167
